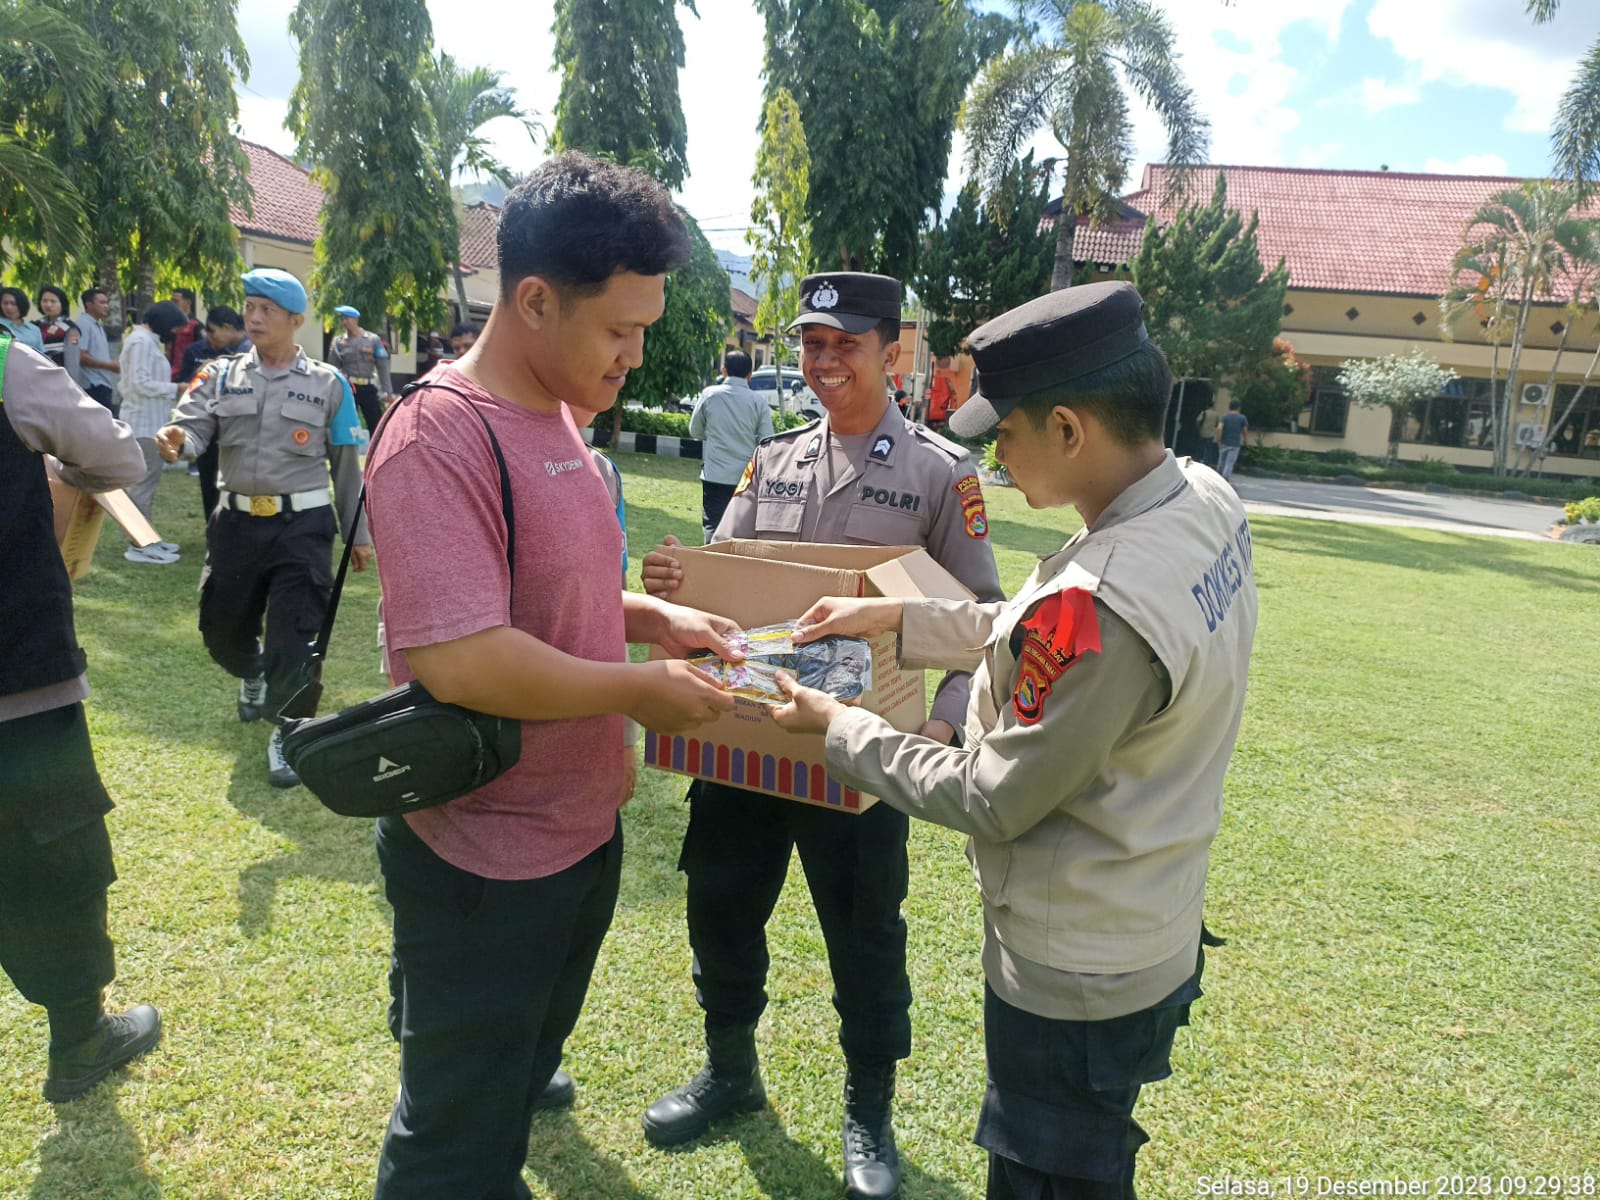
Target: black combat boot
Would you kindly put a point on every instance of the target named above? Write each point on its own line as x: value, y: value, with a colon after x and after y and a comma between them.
x: 871, y: 1162
x: 111, y: 1042
x: 729, y: 1083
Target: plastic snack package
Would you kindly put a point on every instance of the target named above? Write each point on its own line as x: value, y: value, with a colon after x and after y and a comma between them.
x: 839, y: 666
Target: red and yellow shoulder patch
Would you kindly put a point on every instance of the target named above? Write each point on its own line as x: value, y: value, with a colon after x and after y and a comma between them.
x: 749, y: 474
x: 970, y: 493
x: 1058, y: 633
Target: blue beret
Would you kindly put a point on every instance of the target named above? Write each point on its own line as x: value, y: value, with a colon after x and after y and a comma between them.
x: 346, y: 310
x: 1046, y: 345
x: 282, y: 288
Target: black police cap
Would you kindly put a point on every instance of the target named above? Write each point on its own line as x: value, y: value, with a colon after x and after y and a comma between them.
x: 1044, y: 345
x: 849, y: 300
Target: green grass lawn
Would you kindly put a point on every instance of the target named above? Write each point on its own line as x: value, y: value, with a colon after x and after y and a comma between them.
x: 1407, y: 874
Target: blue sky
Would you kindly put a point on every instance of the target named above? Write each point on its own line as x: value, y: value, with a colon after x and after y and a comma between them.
x: 1458, y: 86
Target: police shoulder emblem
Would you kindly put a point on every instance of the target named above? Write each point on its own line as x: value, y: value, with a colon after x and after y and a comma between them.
x: 970, y: 492
x: 826, y: 296
x: 1057, y: 634
x: 749, y: 474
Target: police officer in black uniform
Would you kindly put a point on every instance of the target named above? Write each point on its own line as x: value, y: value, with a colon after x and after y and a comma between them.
x: 282, y: 420
x: 55, y: 854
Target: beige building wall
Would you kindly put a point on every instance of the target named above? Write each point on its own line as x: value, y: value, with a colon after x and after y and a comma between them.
x: 1327, y: 328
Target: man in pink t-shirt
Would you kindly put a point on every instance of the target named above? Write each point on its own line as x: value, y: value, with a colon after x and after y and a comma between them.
x: 501, y: 898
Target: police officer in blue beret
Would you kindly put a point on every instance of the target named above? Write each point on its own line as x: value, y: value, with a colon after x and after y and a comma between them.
x: 283, y: 420
x: 364, y: 359
x: 1106, y: 698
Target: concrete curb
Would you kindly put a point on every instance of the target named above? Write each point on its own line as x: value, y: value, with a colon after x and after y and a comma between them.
x: 645, y: 443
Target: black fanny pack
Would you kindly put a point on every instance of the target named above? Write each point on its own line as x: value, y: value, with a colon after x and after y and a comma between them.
x: 403, y: 751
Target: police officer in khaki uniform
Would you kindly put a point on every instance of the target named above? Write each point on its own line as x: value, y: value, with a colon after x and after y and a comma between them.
x: 282, y: 421
x: 364, y: 359
x: 861, y: 475
x: 1106, y: 698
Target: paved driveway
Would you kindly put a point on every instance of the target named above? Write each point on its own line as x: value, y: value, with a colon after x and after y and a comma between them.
x: 1381, y: 506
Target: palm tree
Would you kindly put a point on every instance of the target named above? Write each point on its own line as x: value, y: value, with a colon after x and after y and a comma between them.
x: 1576, y: 137
x: 1519, y: 242
x: 44, y: 52
x: 463, y: 101
x: 1072, y: 73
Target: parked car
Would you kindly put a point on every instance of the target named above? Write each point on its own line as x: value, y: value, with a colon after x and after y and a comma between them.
x: 797, y: 396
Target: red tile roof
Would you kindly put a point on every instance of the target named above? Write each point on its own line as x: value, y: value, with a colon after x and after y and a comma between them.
x: 744, y: 305
x: 1383, y: 232
x: 480, y: 227
x: 286, y: 201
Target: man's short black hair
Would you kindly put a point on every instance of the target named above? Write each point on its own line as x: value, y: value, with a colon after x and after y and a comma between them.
x: 737, y: 364
x: 1233, y: 404
x: 21, y: 297
x: 221, y: 316
x: 187, y: 294
x: 1129, y: 397
x: 888, y: 331
x: 577, y: 221
x: 463, y: 329
x: 90, y: 293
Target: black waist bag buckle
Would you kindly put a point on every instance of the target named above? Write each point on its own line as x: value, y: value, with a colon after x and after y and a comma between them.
x: 403, y: 751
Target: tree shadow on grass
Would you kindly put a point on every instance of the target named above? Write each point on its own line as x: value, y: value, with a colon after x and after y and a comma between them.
x: 326, y: 846
x: 93, y: 1153
x: 1430, y: 551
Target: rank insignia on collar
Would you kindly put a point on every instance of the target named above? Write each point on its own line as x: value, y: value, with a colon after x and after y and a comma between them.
x: 1058, y: 634
x: 814, y: 449
x: 881, y: 448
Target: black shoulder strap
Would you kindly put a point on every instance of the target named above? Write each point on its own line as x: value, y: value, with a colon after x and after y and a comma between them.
x: 309, y: 695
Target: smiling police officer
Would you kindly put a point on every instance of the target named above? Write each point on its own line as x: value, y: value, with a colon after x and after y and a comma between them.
x: 282, y: 421
x: 861, y: 475
x: 1105, y: 703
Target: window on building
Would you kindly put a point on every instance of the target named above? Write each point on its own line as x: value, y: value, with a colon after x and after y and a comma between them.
x: 1328, y: 410
x: 1579, y: 434
x: 1462, y: 415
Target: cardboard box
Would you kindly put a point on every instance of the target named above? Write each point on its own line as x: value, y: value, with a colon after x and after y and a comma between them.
x: 79, y: 515
x: 762, y: 583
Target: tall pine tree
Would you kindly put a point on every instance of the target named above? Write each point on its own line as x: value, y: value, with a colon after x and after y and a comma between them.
x: 879, y: 86
x: 359, y: 111
x: 619, y: 62
x: 986, y: 258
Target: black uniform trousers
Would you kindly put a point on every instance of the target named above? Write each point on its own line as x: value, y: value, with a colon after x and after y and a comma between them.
x: 55, y: 861
x: 736, y: 855
x: 368, y: 401
x: 206, y: 469
x: 492, y: 975
x: 1057, y: 1115
x: 714, y: 501
x: 279, y: 567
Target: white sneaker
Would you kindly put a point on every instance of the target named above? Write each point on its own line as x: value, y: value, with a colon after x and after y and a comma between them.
x: 154, y: 555
x: 170, y: 547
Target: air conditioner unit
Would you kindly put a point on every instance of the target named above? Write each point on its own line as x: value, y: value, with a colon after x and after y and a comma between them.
x: 1529, y: 435
x: 1535, y: 394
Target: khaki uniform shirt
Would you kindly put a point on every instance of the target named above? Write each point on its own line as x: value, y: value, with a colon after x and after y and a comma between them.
x: 364, y: 359
x: 273, y: 429
x: 1105, y: 704
x: 908, y: 487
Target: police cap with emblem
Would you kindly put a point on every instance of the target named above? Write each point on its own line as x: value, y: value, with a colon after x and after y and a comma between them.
x: 1046, y: 344
x: 849, y: 300
x: 282, y: 288
x: 347, y: 310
